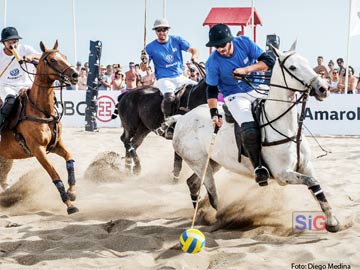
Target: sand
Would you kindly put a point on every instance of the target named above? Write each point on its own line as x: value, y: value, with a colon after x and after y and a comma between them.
x: 134, y: 222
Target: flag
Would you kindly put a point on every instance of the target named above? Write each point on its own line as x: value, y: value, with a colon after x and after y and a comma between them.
x: 355, y: 18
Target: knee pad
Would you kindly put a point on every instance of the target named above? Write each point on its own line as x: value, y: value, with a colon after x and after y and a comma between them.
x: 250, y: 132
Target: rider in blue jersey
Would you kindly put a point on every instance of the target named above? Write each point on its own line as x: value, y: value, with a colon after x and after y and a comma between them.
x: 237, y: 55
x: 166, y: 53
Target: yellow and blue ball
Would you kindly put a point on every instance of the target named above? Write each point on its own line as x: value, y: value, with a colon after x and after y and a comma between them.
x: 192, y: 241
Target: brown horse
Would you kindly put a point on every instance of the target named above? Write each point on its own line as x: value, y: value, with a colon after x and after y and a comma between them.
x: 38, y: 129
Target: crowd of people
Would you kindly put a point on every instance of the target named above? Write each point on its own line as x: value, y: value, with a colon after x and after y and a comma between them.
x: 114, y: 78
x: 336, y: 76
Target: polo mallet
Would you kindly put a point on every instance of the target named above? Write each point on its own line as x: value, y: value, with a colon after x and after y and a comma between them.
x: 16, y: 56
x: 211, y: 148
x: 143, y: 52
x: 192, y: 240
x: 145, y: 26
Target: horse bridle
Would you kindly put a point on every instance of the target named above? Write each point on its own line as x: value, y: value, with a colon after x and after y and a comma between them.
x: 59, y: 73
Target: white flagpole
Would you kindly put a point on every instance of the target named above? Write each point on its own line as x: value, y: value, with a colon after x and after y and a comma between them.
x: 74, y: 31
x: 347, y: 51
x: 164, y: 8
x: 5, y: 11
x: 253, y: 18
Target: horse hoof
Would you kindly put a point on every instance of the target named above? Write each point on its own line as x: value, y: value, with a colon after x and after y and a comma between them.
x: 72, y: 210
x: 263, y: 184
x: 176, y: 179
x: 333, y: 228
x: 72, y: 196
x: 136, y: 171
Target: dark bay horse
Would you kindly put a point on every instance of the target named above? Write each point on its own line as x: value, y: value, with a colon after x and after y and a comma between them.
x: 140, y: 113
x: 37, y: 130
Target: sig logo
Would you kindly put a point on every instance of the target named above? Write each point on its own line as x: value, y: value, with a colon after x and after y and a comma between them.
x: 106, y: 106
x: 309, y: 222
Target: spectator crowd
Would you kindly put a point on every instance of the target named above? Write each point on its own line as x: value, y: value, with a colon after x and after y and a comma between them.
x: 336, y: 76
x: 114, y: 78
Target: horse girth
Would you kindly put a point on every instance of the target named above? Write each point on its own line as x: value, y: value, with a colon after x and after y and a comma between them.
x: 52, y: 119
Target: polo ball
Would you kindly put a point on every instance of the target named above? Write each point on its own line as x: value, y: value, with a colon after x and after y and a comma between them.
x: 192, y: 241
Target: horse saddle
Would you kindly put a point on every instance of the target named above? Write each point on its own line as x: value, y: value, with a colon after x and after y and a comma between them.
x: 179, y: 92
x: 17, y: 110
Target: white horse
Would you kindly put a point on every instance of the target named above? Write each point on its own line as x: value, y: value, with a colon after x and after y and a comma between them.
x: 285, y: 152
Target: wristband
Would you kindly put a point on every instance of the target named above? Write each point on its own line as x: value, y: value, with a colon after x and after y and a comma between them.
x: 214, y: 112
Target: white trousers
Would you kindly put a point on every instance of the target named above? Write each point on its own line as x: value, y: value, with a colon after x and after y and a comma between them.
x: 169, y: 85
x: 9, y: 90
x: 240, y: 105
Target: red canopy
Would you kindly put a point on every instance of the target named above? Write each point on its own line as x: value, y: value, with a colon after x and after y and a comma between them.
x: 233, y: 16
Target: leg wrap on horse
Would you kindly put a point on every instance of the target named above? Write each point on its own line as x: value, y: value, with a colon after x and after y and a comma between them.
x: 251, y: 141
x: 318, y: 193
x: 6, y: 110
x: 71, y: 172
x: 166, y: 104
x: 60, y: 187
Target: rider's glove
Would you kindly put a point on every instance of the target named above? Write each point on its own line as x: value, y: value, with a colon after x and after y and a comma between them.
x: 144, y: 58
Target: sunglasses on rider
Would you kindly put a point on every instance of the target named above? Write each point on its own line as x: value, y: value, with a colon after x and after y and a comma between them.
x: 221, y: 46
x: 161, y: 29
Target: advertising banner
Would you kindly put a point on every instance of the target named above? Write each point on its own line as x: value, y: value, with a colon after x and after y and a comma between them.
x: 336, y: 115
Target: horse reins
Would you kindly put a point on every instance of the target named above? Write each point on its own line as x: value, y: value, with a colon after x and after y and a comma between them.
x: 302, y: 99
x: 202, y: 72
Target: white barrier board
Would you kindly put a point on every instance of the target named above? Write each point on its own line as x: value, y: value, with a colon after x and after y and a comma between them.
x: 337, y: 115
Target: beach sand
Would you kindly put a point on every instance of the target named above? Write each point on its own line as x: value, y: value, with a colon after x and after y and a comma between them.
x: 134, y: 222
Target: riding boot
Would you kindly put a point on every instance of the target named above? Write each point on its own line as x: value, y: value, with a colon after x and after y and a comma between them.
x: 6, y: 110
x: 251, y: 141
x: 166, y: 107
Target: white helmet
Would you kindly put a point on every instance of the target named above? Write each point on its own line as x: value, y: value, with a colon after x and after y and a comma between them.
x: 161, y: 23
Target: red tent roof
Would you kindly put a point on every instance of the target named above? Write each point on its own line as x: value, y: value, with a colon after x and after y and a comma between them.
x: 231, y: 16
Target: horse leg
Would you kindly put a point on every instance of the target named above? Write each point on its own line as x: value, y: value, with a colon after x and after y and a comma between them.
x: 5, y: 167
x: 295, y: 178
x: 140, y: 134
x: 177, y: 167
x: 194, y: 182
x: 62, y: 152
x: 125, y: 138
x: 40, y: 154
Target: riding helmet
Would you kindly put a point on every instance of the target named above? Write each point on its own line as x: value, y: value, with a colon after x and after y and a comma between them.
x: 219, y: 34
x: 9, y: 33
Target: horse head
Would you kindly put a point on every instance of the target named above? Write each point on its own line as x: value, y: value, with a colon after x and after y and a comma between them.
x: 295, y: 71
x: 55, y: 66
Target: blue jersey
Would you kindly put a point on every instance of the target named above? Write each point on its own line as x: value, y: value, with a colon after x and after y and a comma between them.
x: 167, y: 57
x: 219, y: 68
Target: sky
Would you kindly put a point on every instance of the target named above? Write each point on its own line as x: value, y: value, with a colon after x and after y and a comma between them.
x: 319, y: 26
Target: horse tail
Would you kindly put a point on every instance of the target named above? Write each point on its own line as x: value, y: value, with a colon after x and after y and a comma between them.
x: 115, y: 113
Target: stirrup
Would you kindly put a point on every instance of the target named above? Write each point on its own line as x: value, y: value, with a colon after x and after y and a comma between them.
x: 261, y: 175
